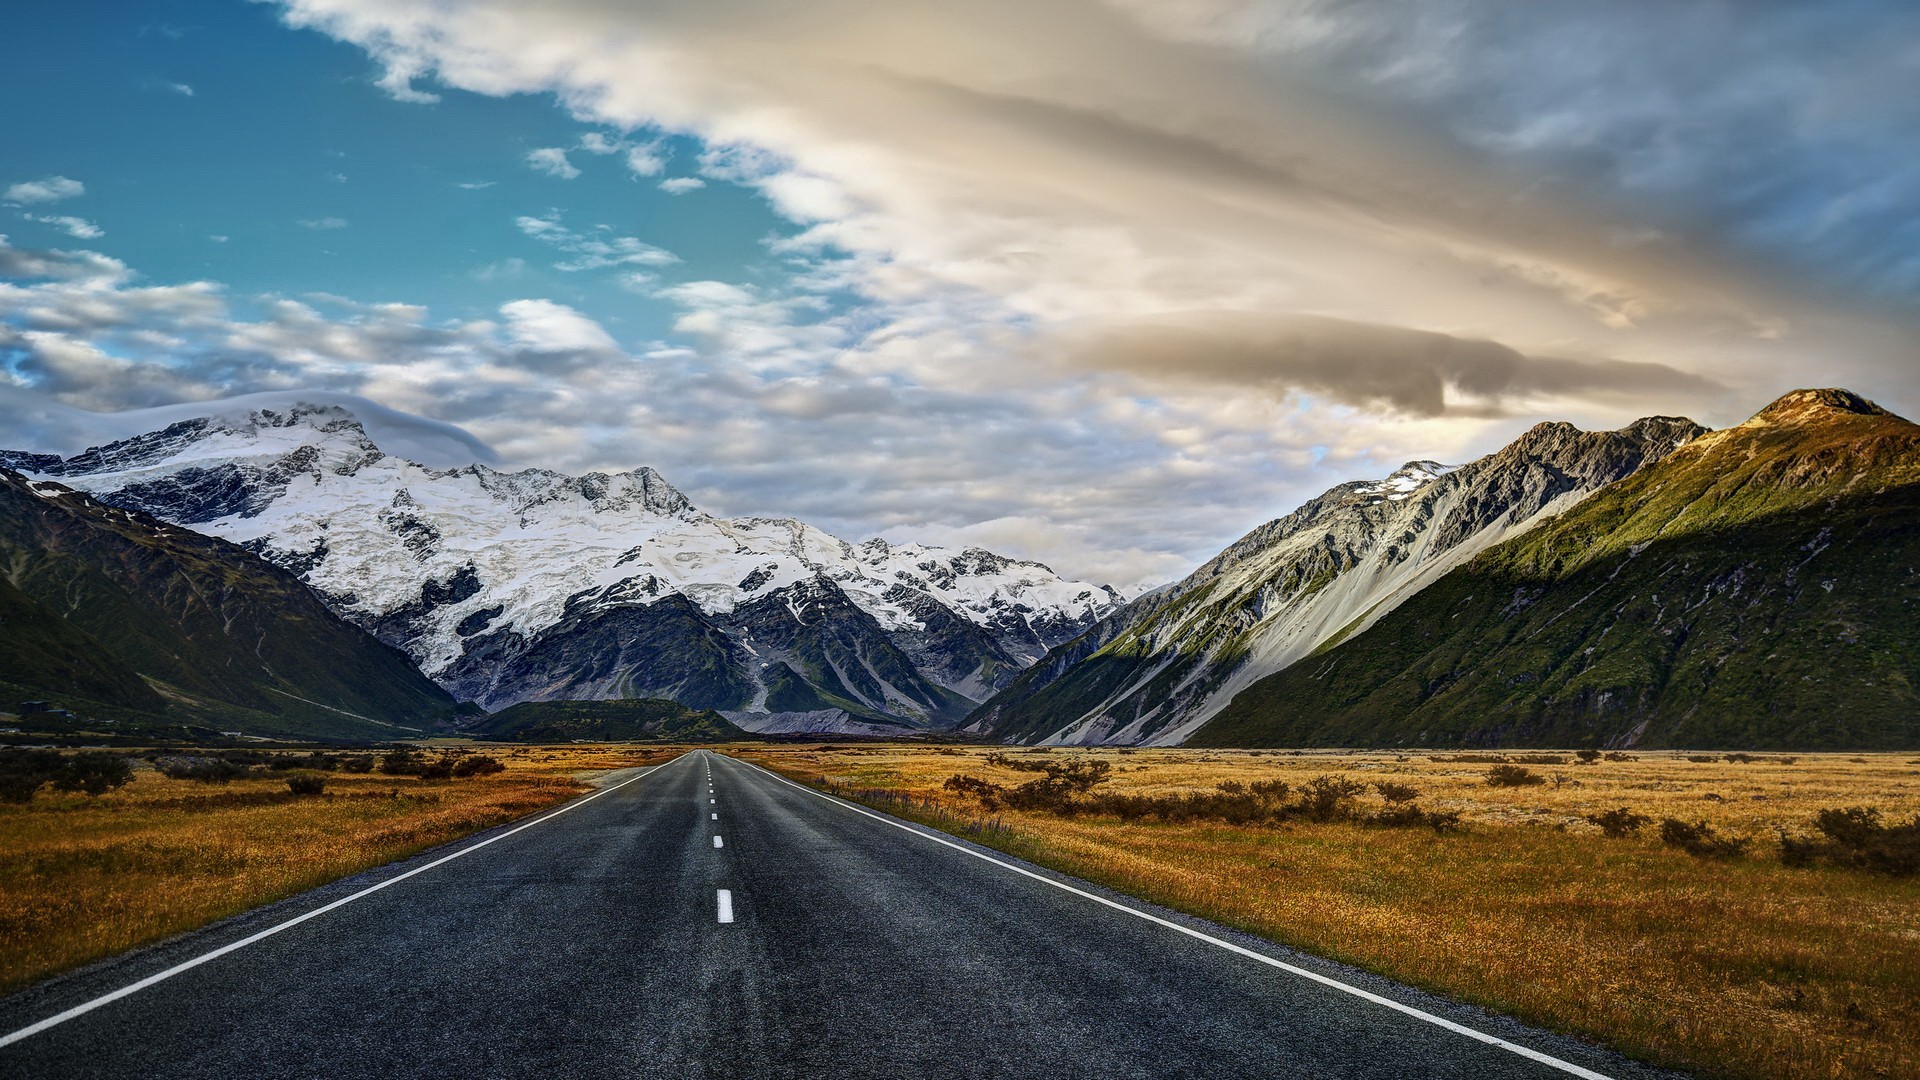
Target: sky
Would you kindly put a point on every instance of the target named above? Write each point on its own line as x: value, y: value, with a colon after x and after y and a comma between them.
x: 1100, y: 282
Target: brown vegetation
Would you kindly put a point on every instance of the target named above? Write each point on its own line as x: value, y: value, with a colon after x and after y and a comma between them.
x: 195, y: 837
x: 1768, y: 926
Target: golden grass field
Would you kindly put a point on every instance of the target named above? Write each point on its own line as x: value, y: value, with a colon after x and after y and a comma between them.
x: 1741, y: 968
x: 84, y: 878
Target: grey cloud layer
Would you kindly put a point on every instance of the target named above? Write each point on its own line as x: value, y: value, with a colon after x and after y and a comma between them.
x: 1107, y: 282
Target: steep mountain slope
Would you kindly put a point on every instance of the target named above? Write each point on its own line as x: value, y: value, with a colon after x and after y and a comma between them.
x: 1758, y: 588
x: 534, y: 585
x: 1321, y: 573
x: 107, y: 607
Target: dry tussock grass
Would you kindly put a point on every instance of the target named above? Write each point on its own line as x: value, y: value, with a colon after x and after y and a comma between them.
x: 1737, y: 968
x: 86, y: 878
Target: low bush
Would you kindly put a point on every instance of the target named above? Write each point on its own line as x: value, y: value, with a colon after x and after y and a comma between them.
x: 93, y: 772
x: 307, y: 784
x: 402, y: 762
x: 1587, y: 757
x: 1699, y: 839
x: 1513, y: 776
x: 1855, y: 837
x: 1396, y: 793
x: 1620, y: 823
x: 477, y: 765
x: 356, y: 763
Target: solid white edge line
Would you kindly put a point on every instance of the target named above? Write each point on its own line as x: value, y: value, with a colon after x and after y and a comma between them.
x: 1312, y: 976
x: 725, y: 905
x: 130, y: 989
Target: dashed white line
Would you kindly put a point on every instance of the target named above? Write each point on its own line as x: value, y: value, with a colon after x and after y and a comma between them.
x: 726, y: 905
x: 1312, y: 976
x: 716, y: 817
x: 717, y: 843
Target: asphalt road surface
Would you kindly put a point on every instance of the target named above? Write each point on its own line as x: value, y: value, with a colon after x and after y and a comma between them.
x: 706, y: 918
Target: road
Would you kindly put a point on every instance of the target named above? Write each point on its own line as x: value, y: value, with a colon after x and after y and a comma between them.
x: 597, y: 941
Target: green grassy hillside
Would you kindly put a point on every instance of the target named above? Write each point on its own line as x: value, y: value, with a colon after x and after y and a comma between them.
x: 1760, y: 588
x: 209, y: 632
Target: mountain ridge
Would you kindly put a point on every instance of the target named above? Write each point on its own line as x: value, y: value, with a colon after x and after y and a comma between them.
x: 1318, y: 574
x: 1757, y: 588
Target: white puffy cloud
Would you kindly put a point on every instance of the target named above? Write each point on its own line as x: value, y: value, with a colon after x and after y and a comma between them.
x: 552, y: 160
x: 49, y: 189
x: 324, y: 224
x: 544, y: 326
x: 680, y: 185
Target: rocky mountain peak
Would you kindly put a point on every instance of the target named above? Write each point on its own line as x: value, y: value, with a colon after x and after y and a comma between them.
x: 1812, y: 406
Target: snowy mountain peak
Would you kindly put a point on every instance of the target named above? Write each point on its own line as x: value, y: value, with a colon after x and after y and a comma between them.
x: 473, y: 570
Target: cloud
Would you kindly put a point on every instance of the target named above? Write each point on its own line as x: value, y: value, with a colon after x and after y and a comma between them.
x: 680, y: 185
x: 1361, y: 364
x: 597, y: 249
x: 51, y: 427
x: 476, y: 185
x: 181, y: 88
x: 552, y: 160
x: 80, y: 228
x: 50, y: 189
x: 322, y: 224
x: 547, y: 327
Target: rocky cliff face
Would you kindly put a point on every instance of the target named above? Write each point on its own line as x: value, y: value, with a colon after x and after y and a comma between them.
x: 1758, y: 587
x: 1305, y: 581
x: 535, y: 585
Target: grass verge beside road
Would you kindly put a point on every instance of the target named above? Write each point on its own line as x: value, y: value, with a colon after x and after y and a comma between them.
x: 1739, y: 967
x: 87, y: 877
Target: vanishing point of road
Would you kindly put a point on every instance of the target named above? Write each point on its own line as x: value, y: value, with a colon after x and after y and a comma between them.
x: 706, y: 918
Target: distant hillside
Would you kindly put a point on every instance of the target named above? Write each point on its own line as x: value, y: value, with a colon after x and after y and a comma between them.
x: 1164, y: 665
x: 113, y: 613
x: 643, y: 720
x: 1758, y: 588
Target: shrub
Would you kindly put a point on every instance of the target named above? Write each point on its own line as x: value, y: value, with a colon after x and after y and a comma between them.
x: 315, y: 760
x: 1700, y: 840
x: 357, y: 763
x: 1513, y: 776
x: 402, y: 762
x: 23, y: 772
x: 437, y: 769
x: 307, y: 784
x: 1615, y: 755
x: 1702, y: 759
x: 1587, y: 757
x: 477, y: 765
x: 1396, y: 793
x: 94, y: 772
x: 1539, y: 759
x: 1856, y: 837
x: 1741, y: 759
x: 1620, y: 823
x: 1329, y: 798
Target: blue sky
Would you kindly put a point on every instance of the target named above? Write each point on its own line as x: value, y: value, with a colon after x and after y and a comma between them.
x: 208, y: 132
x: 1104, y: 282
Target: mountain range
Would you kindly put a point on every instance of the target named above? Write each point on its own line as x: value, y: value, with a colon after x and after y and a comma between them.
x: 272, y: 569
x: 507, y: 587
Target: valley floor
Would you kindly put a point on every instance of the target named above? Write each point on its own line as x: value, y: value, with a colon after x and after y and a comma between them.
x: 1737, y: 966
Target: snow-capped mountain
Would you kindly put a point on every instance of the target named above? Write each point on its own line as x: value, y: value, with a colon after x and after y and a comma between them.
x: 1157, y: 670
x: 534, y: 585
